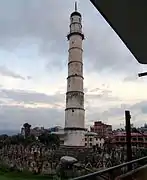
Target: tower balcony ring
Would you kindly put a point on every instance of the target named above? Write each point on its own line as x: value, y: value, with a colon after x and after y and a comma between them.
x: 74, y: 129
x: 75, y: 33
x: 75, y: 48
x: 75, y: 14
x: 75, y: 75
x: 70, y: 92
x: 71, y: 108
x: 70, y: 62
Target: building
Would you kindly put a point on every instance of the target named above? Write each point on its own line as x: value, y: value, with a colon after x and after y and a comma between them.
x: 103, y: 130
x: 92, y: 139
x: 36, y: 131
x: 75, y: 112
x: 137, y: 139
x: 143, y: 129
x: 59, y: 131
x: 55, y: 129
x: 22, y: 131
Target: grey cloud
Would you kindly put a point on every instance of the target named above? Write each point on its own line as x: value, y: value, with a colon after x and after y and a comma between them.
x: 102, y: 97
x: 85, y: 90
x: 131, y: 78
x: 29, y: 77
x: 47, y: 22
x: 33, y: 19
x: 140, y: 106
x: 94, y: 90
x: 30, y: 97
x: 115, y: 114
x: 109, y: 112
x: 54, y: 64
x: 102, y: 88
x: 107, y: 53
x: 104, y: 94
x: 12, y: 117
x: 4, y: 71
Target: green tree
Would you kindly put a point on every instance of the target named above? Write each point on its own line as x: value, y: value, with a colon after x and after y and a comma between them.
x: 14, y: 139
x: 17, y: 139
x: 43, y: 138
x: 29, y: 140
x: 3, y: 137
x: 53, y: 140
x: 27, y: 129
x: 7, y: 141
x: 49, y: 139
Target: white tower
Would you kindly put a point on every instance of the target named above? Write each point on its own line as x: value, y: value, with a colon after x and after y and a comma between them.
x: 74, y: 112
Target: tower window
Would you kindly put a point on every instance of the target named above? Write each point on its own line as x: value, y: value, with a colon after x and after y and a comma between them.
x: 72, y: 110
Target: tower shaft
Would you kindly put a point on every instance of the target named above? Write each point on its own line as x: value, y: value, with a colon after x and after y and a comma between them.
x: 74, y: 112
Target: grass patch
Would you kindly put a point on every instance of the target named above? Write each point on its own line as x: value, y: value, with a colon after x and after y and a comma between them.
x: 14, y: 175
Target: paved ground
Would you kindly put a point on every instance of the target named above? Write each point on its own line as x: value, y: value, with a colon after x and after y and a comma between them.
x: 8, y: 178
x: 13, y: 178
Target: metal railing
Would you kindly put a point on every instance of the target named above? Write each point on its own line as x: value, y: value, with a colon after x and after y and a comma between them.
x: 113, y: 172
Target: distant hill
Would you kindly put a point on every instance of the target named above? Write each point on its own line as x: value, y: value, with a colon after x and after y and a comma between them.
x: 9, y: 132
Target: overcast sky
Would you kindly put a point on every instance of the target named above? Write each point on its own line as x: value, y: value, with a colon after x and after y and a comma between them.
x: 33, y: 66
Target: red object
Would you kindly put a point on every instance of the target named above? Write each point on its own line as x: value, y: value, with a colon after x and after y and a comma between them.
x: 103, y: 130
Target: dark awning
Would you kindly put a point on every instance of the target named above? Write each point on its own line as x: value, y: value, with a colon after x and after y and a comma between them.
x: 128, y: 18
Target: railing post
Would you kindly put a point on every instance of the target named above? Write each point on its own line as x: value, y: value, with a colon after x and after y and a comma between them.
x: 106, y: 173
x: 128, y: 138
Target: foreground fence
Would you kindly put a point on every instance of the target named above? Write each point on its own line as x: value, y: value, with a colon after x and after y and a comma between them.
x: 113, y: 172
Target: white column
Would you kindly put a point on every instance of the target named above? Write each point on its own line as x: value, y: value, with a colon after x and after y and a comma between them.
x: 74, y: 112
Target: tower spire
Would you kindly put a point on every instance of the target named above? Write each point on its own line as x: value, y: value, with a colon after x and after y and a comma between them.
x: 76, y: 7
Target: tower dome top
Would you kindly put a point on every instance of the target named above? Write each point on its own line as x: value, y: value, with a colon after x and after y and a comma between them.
x: 76, y: 13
